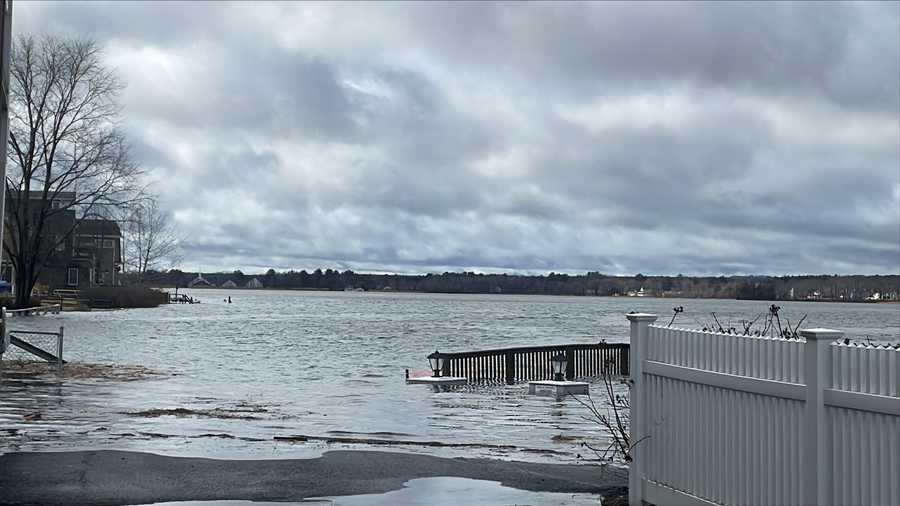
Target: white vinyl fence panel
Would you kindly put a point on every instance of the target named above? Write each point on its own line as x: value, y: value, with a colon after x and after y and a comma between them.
x: 727, y: 419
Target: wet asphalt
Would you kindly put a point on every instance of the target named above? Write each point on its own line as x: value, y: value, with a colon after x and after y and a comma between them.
x: 111, y: 477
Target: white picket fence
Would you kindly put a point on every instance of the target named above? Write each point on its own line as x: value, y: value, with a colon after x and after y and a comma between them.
x: 726, y: 419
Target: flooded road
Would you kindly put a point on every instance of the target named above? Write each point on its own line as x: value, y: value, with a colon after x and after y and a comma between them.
x: 328, y: 366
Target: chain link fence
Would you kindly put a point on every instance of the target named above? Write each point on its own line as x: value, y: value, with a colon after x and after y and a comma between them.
x: 31, y: 346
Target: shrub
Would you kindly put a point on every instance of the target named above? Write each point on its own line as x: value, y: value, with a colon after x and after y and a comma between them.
x: 8, y: 301
x: 123, y: 296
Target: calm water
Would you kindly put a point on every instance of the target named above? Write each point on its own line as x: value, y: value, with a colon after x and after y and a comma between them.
x: 331, y: 364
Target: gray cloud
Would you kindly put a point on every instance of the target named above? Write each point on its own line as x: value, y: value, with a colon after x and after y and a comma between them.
x: 621, y: 137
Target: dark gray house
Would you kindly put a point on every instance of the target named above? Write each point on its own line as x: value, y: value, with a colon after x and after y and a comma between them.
x: 97, y: 254
x: 86, y: 252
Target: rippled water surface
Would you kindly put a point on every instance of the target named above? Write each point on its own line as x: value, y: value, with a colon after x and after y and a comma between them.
x: 279, y: 363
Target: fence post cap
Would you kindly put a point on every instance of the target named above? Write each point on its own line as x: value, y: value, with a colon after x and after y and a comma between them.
x: 641, y: 317
x: 821, y: 333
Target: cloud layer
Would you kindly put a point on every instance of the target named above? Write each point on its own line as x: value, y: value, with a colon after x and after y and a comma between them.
x: 658, y: 138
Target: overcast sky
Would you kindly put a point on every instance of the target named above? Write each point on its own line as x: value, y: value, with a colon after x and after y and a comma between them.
x: 622, y: 138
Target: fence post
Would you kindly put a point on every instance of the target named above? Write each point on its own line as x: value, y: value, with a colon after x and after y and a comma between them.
x: 4, y: 341
x: 816, y: 448
x: 59, y: 350
x: 639, y: 331
x: 570, y: 364
x: 510, y: 367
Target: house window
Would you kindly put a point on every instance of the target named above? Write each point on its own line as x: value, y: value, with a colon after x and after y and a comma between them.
x: 108, y: 243
x: 97, y: 243
x: 72, y: 276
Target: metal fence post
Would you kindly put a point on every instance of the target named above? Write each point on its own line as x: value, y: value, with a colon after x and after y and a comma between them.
x: 59, y: 349
x: 816, y: 457
x: 4, y: 340
x: 639, y: 332
x: 509, y: 362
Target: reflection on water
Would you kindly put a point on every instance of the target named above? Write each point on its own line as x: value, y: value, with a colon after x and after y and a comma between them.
x: 443, y: 491
x: 449, y: 491
x: 307, y: 363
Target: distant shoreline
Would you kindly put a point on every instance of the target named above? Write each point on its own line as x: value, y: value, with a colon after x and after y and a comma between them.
x: 306, y: 289
x: 832, y: 288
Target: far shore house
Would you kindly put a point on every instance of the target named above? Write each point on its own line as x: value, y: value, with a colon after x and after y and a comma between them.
x: 254, y: 283
x: 89, y: 252
x: 228, y: 284
x: 200, y: 282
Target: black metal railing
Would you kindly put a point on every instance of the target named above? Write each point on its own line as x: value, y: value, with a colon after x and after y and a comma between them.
x: 510, y: 365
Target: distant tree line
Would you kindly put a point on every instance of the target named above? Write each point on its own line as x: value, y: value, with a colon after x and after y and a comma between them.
x: 822, y: 287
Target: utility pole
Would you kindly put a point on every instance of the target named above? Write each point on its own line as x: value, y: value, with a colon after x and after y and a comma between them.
x: 5, y: 43
x: 5, y: 47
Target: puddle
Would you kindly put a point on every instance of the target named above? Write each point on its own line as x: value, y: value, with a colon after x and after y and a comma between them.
x: 450, y: 491
x: 444, y: 491
x: 239, y: 503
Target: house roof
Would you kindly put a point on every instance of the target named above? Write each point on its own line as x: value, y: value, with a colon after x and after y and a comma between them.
x: 36, y: 195
x: 199, y: 281
x: 99, y: 227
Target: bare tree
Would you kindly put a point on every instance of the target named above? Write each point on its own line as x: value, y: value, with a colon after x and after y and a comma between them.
x: 68, y: 160
x: 150, y: 238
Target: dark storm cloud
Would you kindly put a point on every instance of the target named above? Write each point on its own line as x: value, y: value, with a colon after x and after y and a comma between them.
x: 621, y: 137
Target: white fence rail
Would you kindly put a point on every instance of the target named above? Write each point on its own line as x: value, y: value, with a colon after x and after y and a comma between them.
x: 32, y: 311
x: 726, y: 419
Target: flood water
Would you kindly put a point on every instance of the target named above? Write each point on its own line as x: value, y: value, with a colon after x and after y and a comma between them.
x: 443, y: 491
x: 331, y: 364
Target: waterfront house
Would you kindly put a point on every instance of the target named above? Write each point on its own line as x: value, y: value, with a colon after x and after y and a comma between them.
x: 254, y: 283
x: 200, y: 282
x: 228, y: 284
x: 85, y: 252
x: 639, y: 293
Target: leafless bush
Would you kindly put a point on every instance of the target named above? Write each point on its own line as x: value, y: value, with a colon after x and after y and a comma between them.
x: 615, y: 418
x: 771, y: 324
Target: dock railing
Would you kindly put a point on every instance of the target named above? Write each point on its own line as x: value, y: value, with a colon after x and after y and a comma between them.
x: 727, y: 419
x: 511, y: 365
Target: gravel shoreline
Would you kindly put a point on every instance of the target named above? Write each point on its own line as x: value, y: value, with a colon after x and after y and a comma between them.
x: 110, y: 477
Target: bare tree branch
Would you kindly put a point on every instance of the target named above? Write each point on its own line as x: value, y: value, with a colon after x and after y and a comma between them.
x: 150, y: 238
x: 63, y: 137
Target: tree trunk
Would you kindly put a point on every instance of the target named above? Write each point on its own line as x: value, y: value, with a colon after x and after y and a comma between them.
x: 24, y: 285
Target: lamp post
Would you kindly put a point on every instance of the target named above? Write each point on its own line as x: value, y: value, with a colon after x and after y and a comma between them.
x: 559, y: 363
x: 559, y: 385
x: 436, y: 360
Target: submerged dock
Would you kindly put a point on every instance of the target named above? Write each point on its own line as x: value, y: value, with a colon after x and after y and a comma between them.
x: 529, y: 363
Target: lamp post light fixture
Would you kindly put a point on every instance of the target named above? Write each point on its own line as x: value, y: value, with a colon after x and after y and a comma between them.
x: 559, y: 363
x: 559, y: 386
x: 436, y: 360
